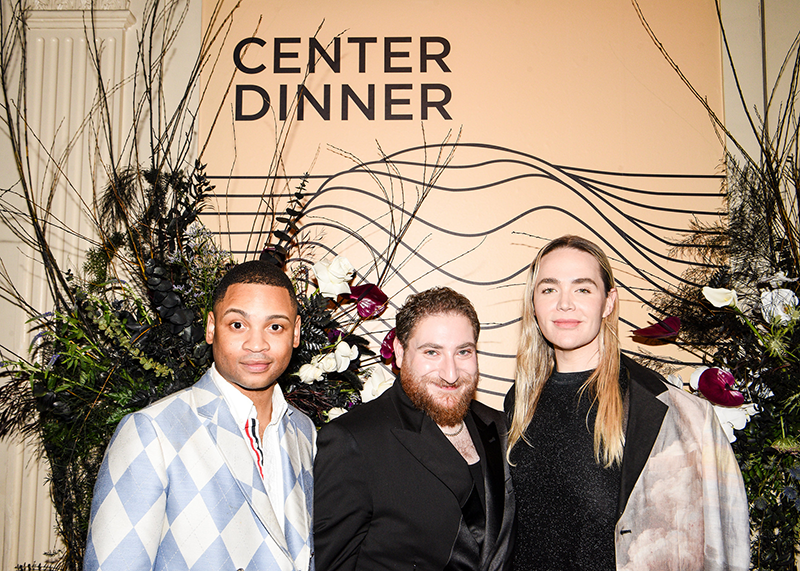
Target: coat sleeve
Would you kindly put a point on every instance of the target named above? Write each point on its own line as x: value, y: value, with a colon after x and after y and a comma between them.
x: 342, y: 500
x: 128, y: 506
x: 725, y: 507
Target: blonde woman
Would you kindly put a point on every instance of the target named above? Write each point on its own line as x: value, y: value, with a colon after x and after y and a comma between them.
x: 613, y: 468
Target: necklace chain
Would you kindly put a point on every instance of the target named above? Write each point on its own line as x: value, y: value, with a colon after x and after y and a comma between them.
x: 456, y: 433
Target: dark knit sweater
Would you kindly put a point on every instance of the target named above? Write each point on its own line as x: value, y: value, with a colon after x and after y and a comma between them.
x: 566, y: 502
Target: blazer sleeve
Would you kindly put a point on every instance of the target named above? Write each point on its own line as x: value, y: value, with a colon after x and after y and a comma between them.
x: 128, y: 505
x: 725, y: 507
x: 342, y: 500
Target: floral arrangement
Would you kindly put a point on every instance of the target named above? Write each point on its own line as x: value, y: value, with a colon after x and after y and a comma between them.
x: 773, y: 323
x: 334, y: 368
x: 735, y: 311
x: 743, y: 329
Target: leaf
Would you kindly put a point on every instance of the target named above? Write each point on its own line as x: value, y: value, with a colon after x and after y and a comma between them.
x: 787, y: 445
x: 282, y: 236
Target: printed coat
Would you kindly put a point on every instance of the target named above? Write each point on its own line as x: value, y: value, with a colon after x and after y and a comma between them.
x: 179, y: 490
x: 682, y: 498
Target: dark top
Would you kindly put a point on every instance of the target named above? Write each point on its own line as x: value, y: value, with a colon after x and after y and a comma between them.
x: 566, y: 502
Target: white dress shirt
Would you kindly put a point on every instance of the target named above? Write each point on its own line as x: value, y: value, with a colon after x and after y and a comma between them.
x: 266, y: 451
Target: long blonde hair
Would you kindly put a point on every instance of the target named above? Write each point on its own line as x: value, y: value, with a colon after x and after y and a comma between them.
x: 536, y: 360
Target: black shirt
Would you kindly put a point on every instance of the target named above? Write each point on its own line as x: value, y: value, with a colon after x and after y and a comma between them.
x: 566, y: 501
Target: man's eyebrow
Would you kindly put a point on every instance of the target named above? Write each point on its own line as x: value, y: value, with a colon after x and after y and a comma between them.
x: 433, y: 345
x: 241, y: 312
x: 246, y: 314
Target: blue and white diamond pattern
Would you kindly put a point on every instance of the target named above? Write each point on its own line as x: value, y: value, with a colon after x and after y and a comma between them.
x: 178, y: 490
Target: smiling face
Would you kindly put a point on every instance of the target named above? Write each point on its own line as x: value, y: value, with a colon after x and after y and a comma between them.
x: 439, y: 366
x: 570, y: 303
x: 252, y: 331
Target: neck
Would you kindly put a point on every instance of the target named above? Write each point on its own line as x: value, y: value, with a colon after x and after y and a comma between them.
x: 577, y: 360
x: 461, y: 440
x: 262, y: 400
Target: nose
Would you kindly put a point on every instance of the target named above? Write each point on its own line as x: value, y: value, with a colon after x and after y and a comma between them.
x: 449, y: 371
x: 256, y: 342
x: 565, y: 302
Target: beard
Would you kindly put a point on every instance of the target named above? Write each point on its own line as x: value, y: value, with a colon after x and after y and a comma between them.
x: 446, y: 410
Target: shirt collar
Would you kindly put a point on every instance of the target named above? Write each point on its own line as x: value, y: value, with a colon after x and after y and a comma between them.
x: 242, y: 408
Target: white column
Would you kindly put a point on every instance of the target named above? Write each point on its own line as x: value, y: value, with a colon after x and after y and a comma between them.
x: 62, y: 89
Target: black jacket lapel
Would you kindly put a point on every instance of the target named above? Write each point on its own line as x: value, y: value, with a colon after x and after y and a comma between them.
x: 420, y: 436
x: 646, y: 413
x: 493, y: 483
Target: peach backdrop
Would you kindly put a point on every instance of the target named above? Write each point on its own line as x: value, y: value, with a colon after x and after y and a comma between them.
x: 570, y: 120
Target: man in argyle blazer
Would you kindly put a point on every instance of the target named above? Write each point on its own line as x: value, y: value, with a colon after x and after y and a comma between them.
x: 202, y: 479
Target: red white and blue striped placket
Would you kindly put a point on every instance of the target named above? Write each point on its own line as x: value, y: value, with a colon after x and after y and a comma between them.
x: 251, y: 429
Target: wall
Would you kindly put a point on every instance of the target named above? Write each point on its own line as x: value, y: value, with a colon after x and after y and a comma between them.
x: 570, y: 121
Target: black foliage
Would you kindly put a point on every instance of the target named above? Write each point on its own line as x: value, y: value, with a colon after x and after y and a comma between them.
x: 120, y: 346
x: 277, y: 251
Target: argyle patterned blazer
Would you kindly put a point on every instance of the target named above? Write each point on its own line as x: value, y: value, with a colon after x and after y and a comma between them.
x: 179, y: 490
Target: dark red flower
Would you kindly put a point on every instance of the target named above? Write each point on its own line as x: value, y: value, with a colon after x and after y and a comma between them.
x: 369, y: 298
x: 387, y: 347
x: 665, y: 329
x: 717, y: 386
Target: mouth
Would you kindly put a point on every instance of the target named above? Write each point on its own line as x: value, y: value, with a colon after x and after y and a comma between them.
x: 256, y: 366
x: 448, y: 388
x: 567, y: 323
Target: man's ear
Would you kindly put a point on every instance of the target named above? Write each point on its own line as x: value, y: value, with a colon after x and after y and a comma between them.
x: 210, y: 326
x: 398, y: 351
x: 296, y: 342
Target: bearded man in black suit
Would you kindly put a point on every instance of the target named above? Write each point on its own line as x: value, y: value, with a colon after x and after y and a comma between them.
x: 417, y: 478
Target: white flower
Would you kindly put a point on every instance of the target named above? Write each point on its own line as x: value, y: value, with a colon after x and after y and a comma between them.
x: 379, y: 380
x: 734, y: 417
x: 328, y: 363
x: 694, y: 379
x: 336, y: 412
x: 343, y: 355
x: 721, y: 297
x: 776, y: 304
x: 333, y: 275
x: 779, y: 279
x: 310, y: 372
x: 315, y: 370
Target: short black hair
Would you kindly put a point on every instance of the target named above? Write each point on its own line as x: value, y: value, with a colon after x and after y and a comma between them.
x: 434, y: 301
x: 255, y: 272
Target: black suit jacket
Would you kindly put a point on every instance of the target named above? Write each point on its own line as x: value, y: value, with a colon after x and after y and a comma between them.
x: 380, y: 497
